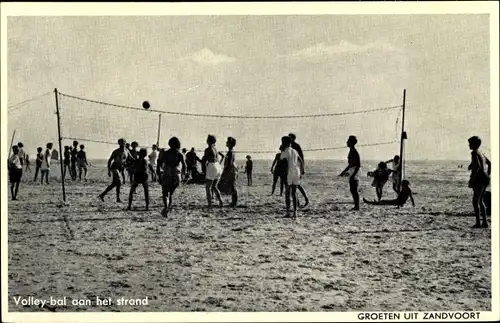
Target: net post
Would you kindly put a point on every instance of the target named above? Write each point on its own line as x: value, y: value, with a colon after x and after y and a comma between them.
x: 403, y: 137
x: 12, y: 141
x: 159, y: 131
x: 60, y: 145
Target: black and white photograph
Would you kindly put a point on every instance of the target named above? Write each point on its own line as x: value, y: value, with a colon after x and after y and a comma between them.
x: 254, y: 160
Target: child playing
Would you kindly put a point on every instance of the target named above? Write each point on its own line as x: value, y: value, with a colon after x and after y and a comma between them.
x: 380, y: 177
x: 480, y: 168
x: 116, y: 163
x: 38, y: 162
x: 131, y: 160
x: 294, y: 166
x: 27, y: 163
x: 279, y: 171
x: 15, y: 172
x: 67, y: 159
x: 140, y: 177
x: 82, y: 163
x: 213, y: 170
x: 248, y: 169
x: 153, y: 158
x: 396, y: 173
x: 402, y: 197
x: 45, y: 168
x: 352, y: 169
x: 74, y: 158
x: 227, y: 184
x: 171, y: 166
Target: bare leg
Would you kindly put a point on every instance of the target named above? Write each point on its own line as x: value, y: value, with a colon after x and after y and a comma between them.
x: 379, y: 192
x: 85, y: 173
x: 146, y: 194
x: 16, y: 189
x: 353, y: 186
x: 234, y: 196
x: 13, y: 196
x: 287, y: 200
x: 217, y: 192
x: 294, y: 199
x: 208, y: 189
x: 275, y: 180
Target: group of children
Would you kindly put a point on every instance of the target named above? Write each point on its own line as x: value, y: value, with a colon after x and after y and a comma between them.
x: 74, y: 158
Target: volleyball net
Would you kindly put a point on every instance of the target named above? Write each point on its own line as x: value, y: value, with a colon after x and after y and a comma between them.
x: 322, y: 132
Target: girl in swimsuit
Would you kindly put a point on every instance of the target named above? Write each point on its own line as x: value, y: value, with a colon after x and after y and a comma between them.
x: 213, y: 170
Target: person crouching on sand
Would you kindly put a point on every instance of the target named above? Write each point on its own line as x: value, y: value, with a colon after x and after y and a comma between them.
x: 400, y: 201
x: 479, y: 180
x: 213, y: 170
x: 380, y: 177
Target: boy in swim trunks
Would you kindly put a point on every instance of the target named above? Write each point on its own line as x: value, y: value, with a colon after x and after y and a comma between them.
x: 116, y: 162
x: 82, y: 163
x: 352, y: 169
x: 140, y: 177
x: 171, y: 166
x: 15, y: 172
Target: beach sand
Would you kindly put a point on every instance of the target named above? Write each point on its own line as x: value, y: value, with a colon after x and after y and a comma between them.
x: 250, y: 258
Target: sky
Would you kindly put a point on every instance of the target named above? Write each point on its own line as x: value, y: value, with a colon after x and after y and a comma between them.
x: 255, y: 66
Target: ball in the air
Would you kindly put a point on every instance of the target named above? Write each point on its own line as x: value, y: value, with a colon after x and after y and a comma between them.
x: 146, y: 105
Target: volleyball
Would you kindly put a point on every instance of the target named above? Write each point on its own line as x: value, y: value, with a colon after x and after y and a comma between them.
x: 146, y: 105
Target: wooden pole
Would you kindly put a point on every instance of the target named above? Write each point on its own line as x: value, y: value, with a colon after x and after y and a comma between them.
x: 12, y: 142
x: 403, y: 137
x: 159, y: 131
x: 60, y: 145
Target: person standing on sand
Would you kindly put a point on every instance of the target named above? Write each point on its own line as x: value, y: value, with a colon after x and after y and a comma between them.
x: 191, y: 160
x: 15, y: 172
x: 171, y: 166
x: 45, y: 168
x: 140, y: 177
x: 479, y: 180
x: 74, y: 159
x: 116, y: 162
x: 213, y: 170
x: 279, y: 171
x: 249, y: 169
x: 297, y: 147
x: 352, y: 169
x: 227, y: 183
x: 38, y: 162
x: 295, y: 167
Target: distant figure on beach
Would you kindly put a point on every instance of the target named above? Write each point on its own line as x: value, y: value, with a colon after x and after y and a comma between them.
x: 171, y: 165
x: 279, y: 171
x: 15, y: 172
x: 66, y: 161
x: 396, y: 172
x: 297, y: 147
x: 74, y: 158
x: 249, y: 169
x: 380, y: 177
x: 116, y: 162
x: 38, y: 162
x: 480, y: 169
x: 82, y: 163
x: 27, y: 163
x: 45, y: 168
x: 191, y: 163
x: 400, y: 201
x: 213, y: 170
x: 227, y: 183
x: 295, y: 167
x: 153, y: 159
x: 141, y: 168
x: 352, y: 169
